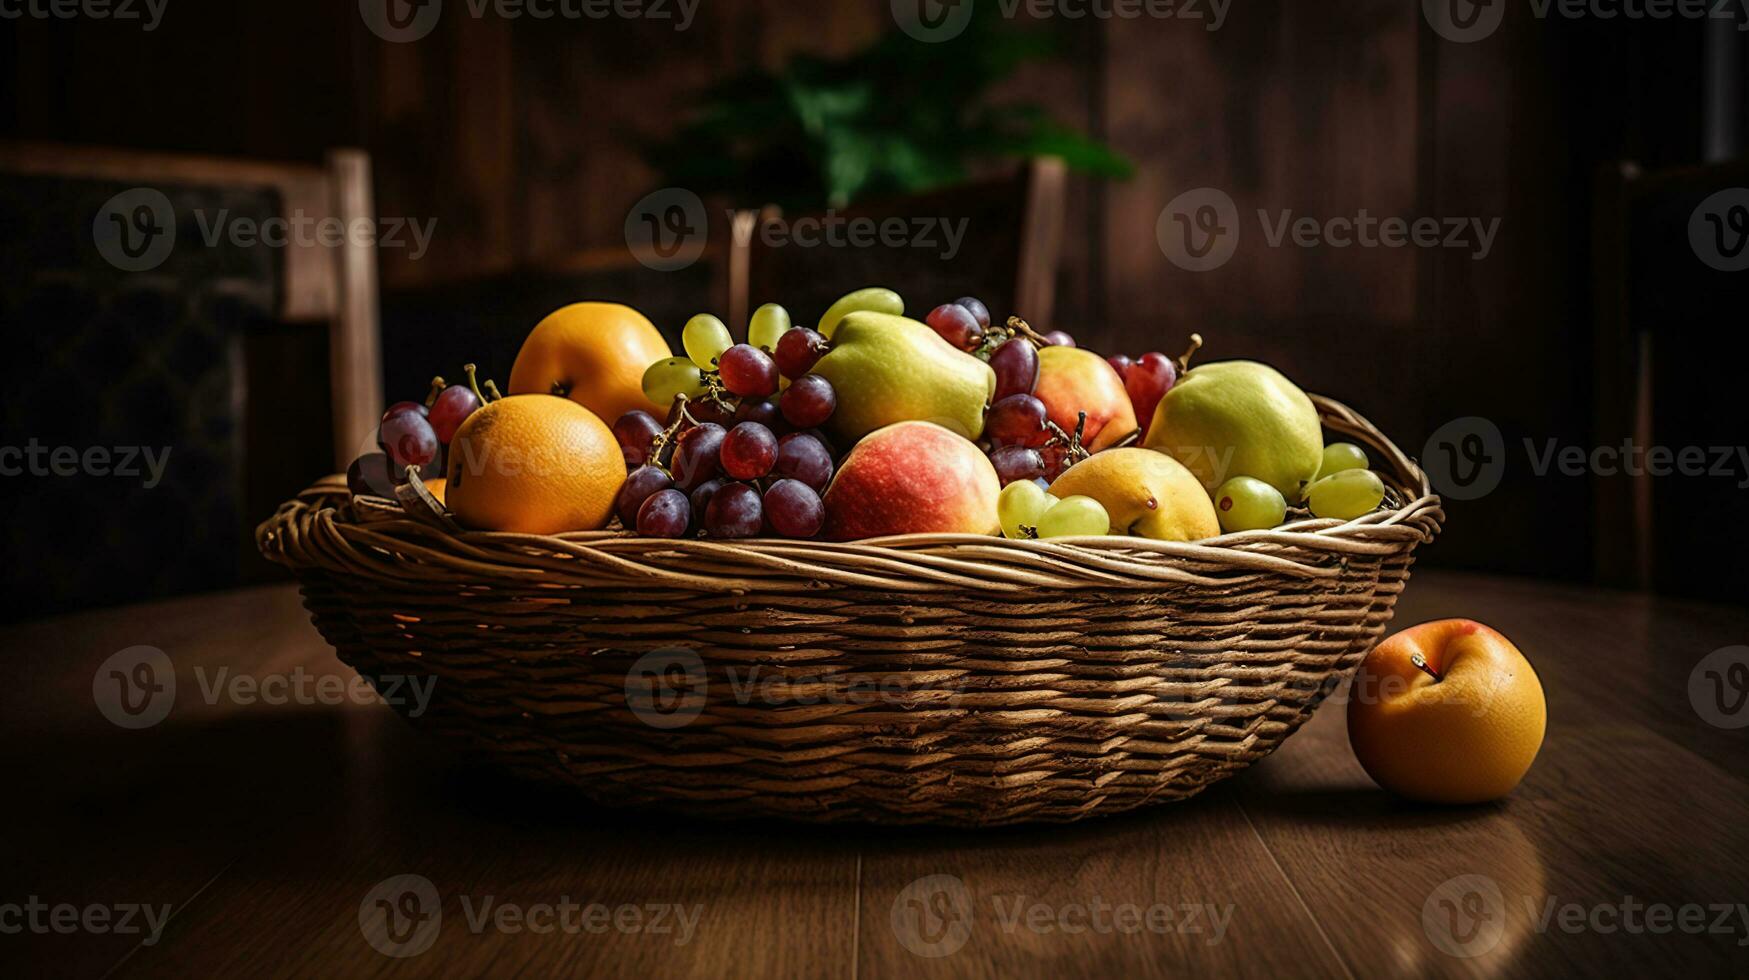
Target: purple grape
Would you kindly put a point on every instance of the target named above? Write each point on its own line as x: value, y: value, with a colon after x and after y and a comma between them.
x: 1057, y: 338
x: 665, y: 514
x: 976, y: 307
x: 748, y: 451
x: 400, y: 408
x: 1016, y: 367
x: 452, y: 407
x: 809, y: 401
x: 371, y: 475
x: 409, y: 439
x: 1017, y: 463
x: 802, y: 456
x: 757, y: 410
x: 748, y: 371
x: 794, y: 509
x: 635, y: 431
x: 697, y: 455
x: 701, y: 497
x: 957, y: 325
x: 734, y: 512
x: 1018, y: 420
x: 797, y: 350
x: 643, y: 483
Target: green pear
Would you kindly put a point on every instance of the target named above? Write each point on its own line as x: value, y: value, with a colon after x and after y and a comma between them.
x: 1240, y: 418
x: 888, y: 368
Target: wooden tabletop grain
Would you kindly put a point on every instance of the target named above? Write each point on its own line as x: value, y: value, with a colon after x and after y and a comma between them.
x: 274, y: 824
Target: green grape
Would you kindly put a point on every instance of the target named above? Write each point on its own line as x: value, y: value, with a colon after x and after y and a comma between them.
x: 1346, y: 495
x: 1339, y: 456
x: 1021, y: 502
x: 1074, y: 517
x: 1248, y: 504
x: 768, y: 323
x: 673, y: 376
x: 705, y: 339
x: 873, y: 298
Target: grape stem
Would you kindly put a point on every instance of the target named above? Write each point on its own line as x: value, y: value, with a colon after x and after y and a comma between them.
x: 437, y: 386
x: 1190, y: 352
x: 1071, y: 442
x: 1020, y: 328
x: 474, y: 382
x: 660, y: 443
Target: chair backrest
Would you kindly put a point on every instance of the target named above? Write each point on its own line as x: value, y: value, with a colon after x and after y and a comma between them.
x: 996, y: 239
x: 1671, y: 282
x: 136, y: 311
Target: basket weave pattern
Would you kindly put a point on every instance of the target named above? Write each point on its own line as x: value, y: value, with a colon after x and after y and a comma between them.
x: 926, y: 678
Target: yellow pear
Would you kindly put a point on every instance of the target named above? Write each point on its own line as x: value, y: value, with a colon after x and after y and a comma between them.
x: 1147, y: 493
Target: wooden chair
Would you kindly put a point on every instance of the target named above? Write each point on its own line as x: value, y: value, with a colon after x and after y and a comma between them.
x: 203, y: 350
x: 1667, y: 334
x: 336, y: 286
x: 1013, y: 230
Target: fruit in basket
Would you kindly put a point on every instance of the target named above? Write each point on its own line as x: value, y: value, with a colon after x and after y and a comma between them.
x: 698, y: 455
x: 874, y: 299
x: 748, y: 451
x: 976, y: 308
x: 912, y: 477
x: 1014, y: 463
x: 1145, y: 493
x: 534, y: 464
x: 1016, y: 367
x: 793, y: 509
x: 957, y: 325
x: 797, y: 350
x: 1346, y: 495
x: 640, y: 485
x: 451, y: 408
x: 594, y: 354
x: 1059, y: 338
x: 1074, y: 517
x: 1018, y: 420
x: 1339, y: 456
x: 748, y: 371
x: 734, y: 511
x: 802, y: 456
x: 1247, y: 504
x: 408, y: 438
x: 664, y: 514
x: 705, y: 338
x: 1072, y: 381
x: 809, y: 401
x: 1446, y: 712
x: 889, y: 369
x: 1147, y: 379
x: 672, y: 376
x: 1240, y: 417
x: 767, y: 326
x: 1019, y: 508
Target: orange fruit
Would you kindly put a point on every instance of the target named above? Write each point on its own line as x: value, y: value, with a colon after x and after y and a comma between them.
x: 437, y: 488
x: 594, y: 354
x: 1461, y: 726
x: 534, y: 464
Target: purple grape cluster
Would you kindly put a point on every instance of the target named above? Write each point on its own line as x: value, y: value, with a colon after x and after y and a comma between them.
x: 414, y: 434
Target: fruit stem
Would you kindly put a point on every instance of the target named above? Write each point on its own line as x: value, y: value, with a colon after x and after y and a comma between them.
x: 1021, y: 328
x: 474, y: 382
x: 662, y: 438
x: 1184, y: 358
x: 437, y: 386
x: 1421, y: 663
x: 492, y: 389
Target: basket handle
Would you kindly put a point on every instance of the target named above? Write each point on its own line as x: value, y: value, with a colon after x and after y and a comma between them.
x: 1347, y: 421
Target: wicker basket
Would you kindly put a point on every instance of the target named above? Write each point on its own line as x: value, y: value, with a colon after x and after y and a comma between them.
x: 949, y: 679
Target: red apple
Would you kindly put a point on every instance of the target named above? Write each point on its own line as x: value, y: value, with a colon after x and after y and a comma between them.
x: 912, y: 478
x: 1072, y: 380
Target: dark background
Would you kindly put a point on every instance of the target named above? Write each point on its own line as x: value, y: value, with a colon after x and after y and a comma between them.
x: 520, y: 138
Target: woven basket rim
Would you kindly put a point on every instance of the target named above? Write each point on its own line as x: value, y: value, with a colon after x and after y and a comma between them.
x: 325, y: 529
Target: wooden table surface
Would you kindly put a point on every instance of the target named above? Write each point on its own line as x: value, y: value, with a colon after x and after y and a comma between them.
x: 258, y: 834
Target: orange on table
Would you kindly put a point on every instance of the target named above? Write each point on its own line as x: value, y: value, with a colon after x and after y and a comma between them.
x: 595, y: 354
x: 534, y: 464
x: 1461, y: 726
